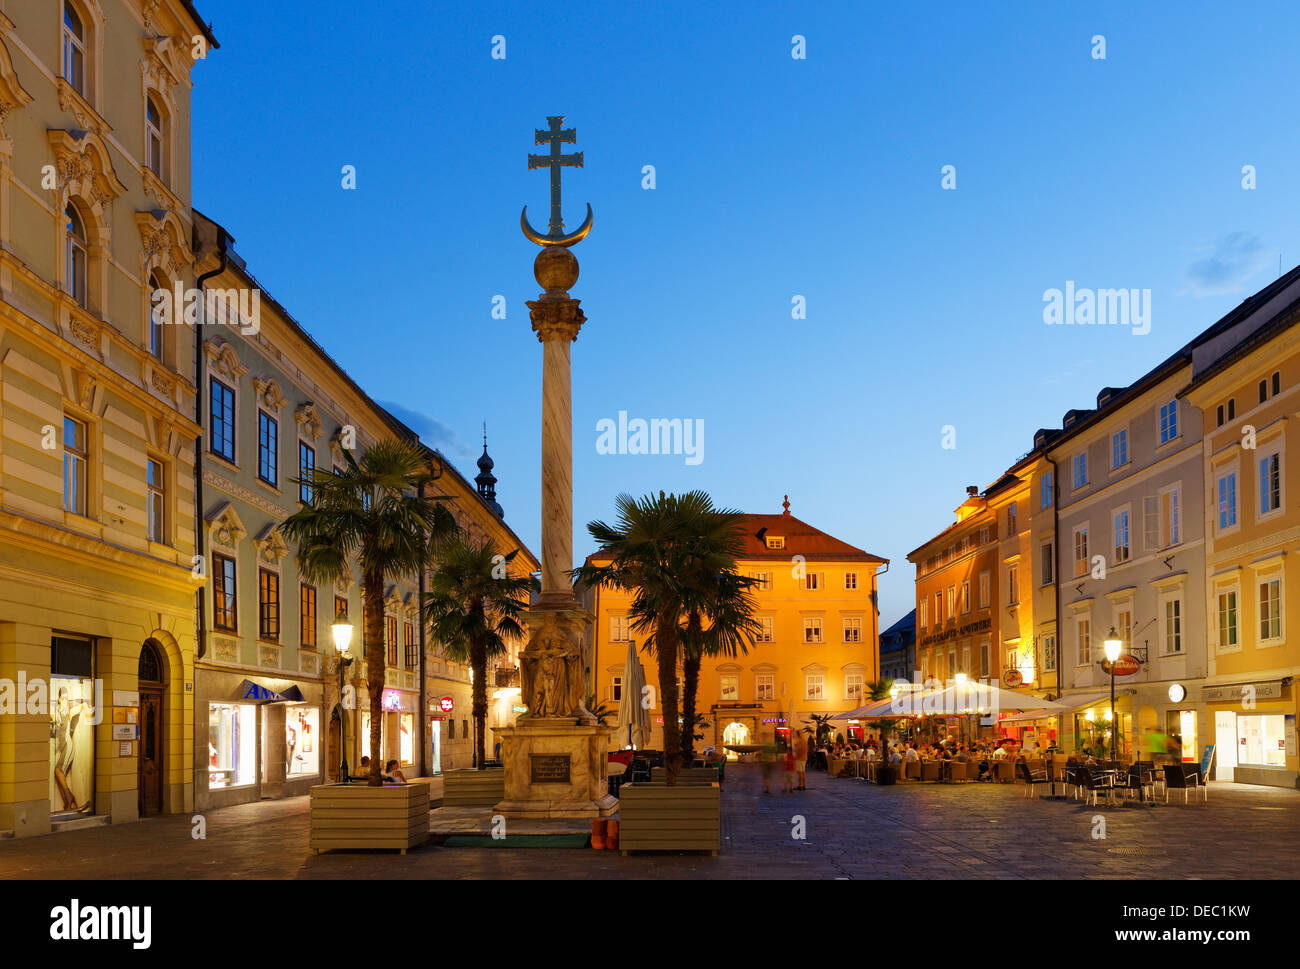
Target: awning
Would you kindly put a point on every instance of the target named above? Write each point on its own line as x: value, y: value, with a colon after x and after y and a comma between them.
x: 1031, y: 715
x: 249, y: 690
x: 1087, y: 700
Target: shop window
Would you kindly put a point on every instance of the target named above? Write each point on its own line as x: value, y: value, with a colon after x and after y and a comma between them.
x: 232, y: 735
x: 1261, y: 740
x: 301, y: 735
x: 72, y: 734
x: 406, y: 747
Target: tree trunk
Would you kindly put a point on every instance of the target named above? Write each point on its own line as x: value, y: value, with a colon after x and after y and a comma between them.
x: 372, y: 592
x: 666, y: 653
x: 479, y: 705
x: 691, y: 660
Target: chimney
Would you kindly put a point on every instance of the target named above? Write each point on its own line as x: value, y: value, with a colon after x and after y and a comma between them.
x: 972, y: 491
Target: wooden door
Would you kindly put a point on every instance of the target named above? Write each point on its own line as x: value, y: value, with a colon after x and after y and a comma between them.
x: 149, y: 779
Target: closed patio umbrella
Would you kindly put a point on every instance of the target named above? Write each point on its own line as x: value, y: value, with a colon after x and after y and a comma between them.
x: 633, y: 718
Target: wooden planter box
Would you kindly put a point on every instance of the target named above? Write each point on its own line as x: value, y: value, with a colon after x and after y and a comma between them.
x: 655, y: 817
x: 474, y: 788
x: 687, y: 775
x: 360, y: 816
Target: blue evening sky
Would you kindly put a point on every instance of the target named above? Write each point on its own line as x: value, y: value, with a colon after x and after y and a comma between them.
x: 775, y: 177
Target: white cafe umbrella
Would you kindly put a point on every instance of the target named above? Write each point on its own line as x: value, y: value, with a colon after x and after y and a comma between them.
x: 633, y: 717
x: 983, y: 698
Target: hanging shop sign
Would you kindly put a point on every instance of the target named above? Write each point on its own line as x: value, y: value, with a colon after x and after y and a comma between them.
x: 1013, y: 677
x: 446, y: 704
x: 1124, y: 666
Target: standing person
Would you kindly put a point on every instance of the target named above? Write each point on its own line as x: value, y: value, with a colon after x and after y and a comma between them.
x: 800, y: 761
x: 787, y: 770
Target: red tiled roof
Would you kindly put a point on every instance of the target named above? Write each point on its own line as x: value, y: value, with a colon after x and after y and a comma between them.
x: 800, y: 539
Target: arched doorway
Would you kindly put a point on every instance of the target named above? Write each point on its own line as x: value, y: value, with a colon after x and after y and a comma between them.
x: 735, y: 733
x: 151, y: 756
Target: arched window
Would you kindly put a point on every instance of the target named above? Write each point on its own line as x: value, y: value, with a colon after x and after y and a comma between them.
x: 74, y: 49
x: 151, y: 663
x: 156, y: 311
x: 153, y: 128
x: 78, y: 255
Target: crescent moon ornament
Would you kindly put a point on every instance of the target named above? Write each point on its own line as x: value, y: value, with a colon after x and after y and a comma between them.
x: 532, y: 235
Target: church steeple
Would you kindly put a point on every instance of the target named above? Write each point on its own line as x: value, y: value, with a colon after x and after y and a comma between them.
x: 486, y: 481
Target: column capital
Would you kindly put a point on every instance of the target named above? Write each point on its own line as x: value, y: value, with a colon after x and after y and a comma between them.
x: 556, y: 318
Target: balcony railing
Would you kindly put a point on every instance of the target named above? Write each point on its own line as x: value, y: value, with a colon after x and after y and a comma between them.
x: 507, y: 676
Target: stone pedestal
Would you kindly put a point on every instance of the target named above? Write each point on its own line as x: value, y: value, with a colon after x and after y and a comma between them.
x: 555, y: 769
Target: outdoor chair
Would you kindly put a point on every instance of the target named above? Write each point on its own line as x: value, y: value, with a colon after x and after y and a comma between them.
x: 1032, y: 777
x: 929, y: 770
x: 1073, y: 784
x: 1093, y: 783
x: 1139, y: 779
x: 911, y: 770
x: 964, y: 771
x: 1003, y: 771
x: 1177, y: 780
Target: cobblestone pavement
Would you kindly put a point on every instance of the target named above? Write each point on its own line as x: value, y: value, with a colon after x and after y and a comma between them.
x: 854, y: 830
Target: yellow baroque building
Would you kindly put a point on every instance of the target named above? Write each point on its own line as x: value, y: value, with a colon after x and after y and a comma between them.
x: 97, y: 413
x: 817, y: 606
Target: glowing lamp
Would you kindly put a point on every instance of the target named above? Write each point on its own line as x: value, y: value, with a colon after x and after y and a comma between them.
x: 1112, y: 645
x: 342, y: 632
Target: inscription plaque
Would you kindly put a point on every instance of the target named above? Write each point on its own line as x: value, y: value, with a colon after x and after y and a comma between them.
x: 550, y: 768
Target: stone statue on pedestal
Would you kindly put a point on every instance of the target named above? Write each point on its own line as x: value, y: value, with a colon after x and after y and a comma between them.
x: 553, y: 680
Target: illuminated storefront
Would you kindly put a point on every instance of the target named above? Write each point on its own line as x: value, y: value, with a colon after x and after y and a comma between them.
x: 232, y: 745
x: 1254, y: 732
x: 72, y: 719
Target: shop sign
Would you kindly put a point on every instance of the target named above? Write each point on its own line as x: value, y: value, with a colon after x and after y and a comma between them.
x: 1012, y: 678
x: 517, y: 708
x: 446, y: 704
x: 1124, y: 666
x: 774, y: 719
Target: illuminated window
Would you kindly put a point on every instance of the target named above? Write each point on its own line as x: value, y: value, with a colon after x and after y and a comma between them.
x: 307, y: 615
x: 814, y: 686
x: 268, y: 605
x: 853, y: 687
x: 301, y: 740
x: 764, y: 583
x: 156, y: 501
x: 390, y: 640
x: 729, y: 689
x: 812, y: 629
x: 411, y: 652
x: 764, y: 686
x: 765, y: 628
x: 232, y: 739
x: 224, y: 593
x: 775, y: 542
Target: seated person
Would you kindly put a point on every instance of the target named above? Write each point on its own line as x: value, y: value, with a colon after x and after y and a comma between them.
x: 1000, y: 753
x: 962, y: 756
x: 895, y: 758
x: 393, y: 774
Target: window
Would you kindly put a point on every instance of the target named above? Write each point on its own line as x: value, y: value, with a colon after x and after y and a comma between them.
x: 764, y: 583
x: 1261, y: 739
x: 1263, y: 391
x: 965, y: 595
x: 984, y: 590
x: 410, y: 653
x: 1012, y: 658
x: 1081, y: 469
x: 923, y: 612
x: 1013, y: 585
x: 812, y: 581
x: 1124, y: 628
x: 1121, y: 547
x: 1270, y: 609
x: 965, y: 656
x: 776, y: 542
x: 1047, y: 555
x: 1168, y: 421
x: 157, y: 295
x: 74, y: 466
x: 390, y: 640
x: 620, y: 629
x: 268, y: 605
x: 1227, y: 487
x: 307, y: 615
x: 952, y: 662
x: 306, y: 464
x: 1080, y: 550
x: 1049, y: 654
x: 616, y: 689
x: 938, y: 608
x: 764, y: 686
x: 729, y: 689
x: 984, y: 657
x: 814, y: 686
x: 812, y: 629
x: 1232, y: 408
x: 224, y: 603
x: 850, y: 580
x: 221, y: 433
x: 74, y: 50
x: 853, y: 630
x: 156, y: 501
x: 1011, y: 519
x: 301, y: 740
x: 1045, y: 484
x: 78, y: 257
x: 1277, y: 382
x: 1218, y: 413
x: 268, y: 438
x: 766, y: 626
x: 1173, y: 626
x: 853, y: 687
x: 1083, y: 633
x: 1227, y: 619
x: 232, y: 739
x: 340, y: 607
x: 952, y: 603
x: 1119, y: 448
x: 1160, y: 518
x: 153, y: 128
x: 1270, y: 483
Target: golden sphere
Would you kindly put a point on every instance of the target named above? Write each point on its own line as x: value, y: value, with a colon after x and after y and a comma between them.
x: 556, y: 269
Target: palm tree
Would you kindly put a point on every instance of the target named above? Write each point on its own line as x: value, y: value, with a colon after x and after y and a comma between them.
x: 653, y: 544
x: 724, y: 599
x: 374, y: 509
x: 598, y: 709
x: 474, y: 607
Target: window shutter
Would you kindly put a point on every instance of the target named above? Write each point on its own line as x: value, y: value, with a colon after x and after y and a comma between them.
x: 1151, y: 522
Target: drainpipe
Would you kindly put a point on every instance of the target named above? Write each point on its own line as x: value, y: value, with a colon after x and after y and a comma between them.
x: 875, y: 601
x: 223, y: 240
x: 422, y: 721
x: 1056, y: 589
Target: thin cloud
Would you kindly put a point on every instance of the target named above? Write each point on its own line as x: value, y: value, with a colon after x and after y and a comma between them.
x: 1231, y: 262
x: 432, y: 432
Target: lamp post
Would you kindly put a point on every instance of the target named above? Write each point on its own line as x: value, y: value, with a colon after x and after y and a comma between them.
x: 342, y: 631
x: 1112, y: 645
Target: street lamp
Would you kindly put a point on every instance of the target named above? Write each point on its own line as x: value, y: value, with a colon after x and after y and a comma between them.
x: 342, y: 630
x: 1112, y: 645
